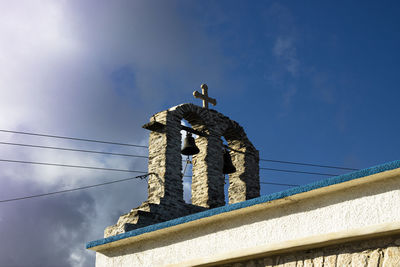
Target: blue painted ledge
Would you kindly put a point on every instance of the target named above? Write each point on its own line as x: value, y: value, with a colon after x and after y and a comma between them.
x: 263, y: 199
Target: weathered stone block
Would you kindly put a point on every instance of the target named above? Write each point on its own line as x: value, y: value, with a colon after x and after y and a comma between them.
x: 359, y: 260
x: 330, y: 261
x: 381, y: 252
x: 391, y: 257
x: 374, y: 258
x: 318, y: 259
x: 344, y: 259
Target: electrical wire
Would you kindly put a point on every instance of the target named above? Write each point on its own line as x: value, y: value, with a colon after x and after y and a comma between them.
x: 70, y: 166
x: 308, y: 164
x: 279, y: 184
x: 73, y: 138
x: 129, y: 155
x: 186, y: 176
x: 270, y: 183
x: 75, y: 189
x: 97, y: 185
x: 142, y: 146
x: 124, y: 170
x: 140, y: 156
x: 295, y: 163
x: 73, y: 149
x: 293, y: 171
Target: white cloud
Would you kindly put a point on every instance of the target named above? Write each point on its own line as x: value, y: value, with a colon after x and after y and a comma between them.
x: 289, y: 95
x: 285, y: 50
x: 56, y: 77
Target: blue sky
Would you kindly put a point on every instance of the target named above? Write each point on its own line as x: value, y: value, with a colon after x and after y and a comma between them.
x: 314, y: 82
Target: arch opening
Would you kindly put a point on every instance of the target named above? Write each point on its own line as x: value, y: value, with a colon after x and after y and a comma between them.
x: 244, y: 183
x: 226, y: 176
x: 186, y: 166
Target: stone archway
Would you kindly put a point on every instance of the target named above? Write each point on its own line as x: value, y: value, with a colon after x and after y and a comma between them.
x: 208, y: 180
x: 165, y: 186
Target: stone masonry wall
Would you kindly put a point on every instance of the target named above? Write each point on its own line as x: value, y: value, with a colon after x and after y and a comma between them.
x: 208, y: 180
x: 165, y: 185
x: 378, y: 252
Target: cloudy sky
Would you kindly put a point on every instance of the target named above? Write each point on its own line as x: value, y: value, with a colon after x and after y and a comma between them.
x: 314, y: 82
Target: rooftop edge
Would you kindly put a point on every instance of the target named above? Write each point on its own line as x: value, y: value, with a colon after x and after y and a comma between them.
x: 259, y: 200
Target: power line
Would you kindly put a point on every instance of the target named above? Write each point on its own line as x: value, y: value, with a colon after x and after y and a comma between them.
x: 279, y: 184
x: 74, y: 189
x: 73, y: 149
x: 293, y: 171
x: 308, y: 164
x: 97, y: 185
x: 70, y: 166
x: 72, y: 138
x: 296, y: 163
x: 186, y: 176
x: 124, y: 170
x: 102, y: 184
x: 142, y: 146
x: 140, y: 156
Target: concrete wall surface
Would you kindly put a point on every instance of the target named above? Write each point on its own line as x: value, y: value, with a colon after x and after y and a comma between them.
x: 363, y: 208
x: 376, y: 252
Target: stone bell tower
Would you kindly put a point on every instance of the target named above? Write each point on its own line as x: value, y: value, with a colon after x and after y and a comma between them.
x: 165, y: 185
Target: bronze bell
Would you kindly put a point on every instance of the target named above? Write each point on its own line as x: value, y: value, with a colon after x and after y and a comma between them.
x: 189, y: 146
x: 228, y: 165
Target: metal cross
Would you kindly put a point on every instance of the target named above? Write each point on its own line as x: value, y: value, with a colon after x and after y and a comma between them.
x: 204, y: 96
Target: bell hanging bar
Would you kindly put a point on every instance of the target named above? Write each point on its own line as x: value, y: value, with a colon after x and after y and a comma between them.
x: 156, y: 126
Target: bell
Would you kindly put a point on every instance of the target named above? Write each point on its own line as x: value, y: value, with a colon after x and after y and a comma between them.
x: 189, y: 146
x: 228, y: 165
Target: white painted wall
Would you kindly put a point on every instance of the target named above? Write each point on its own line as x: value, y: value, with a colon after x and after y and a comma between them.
x: 360, y: 206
